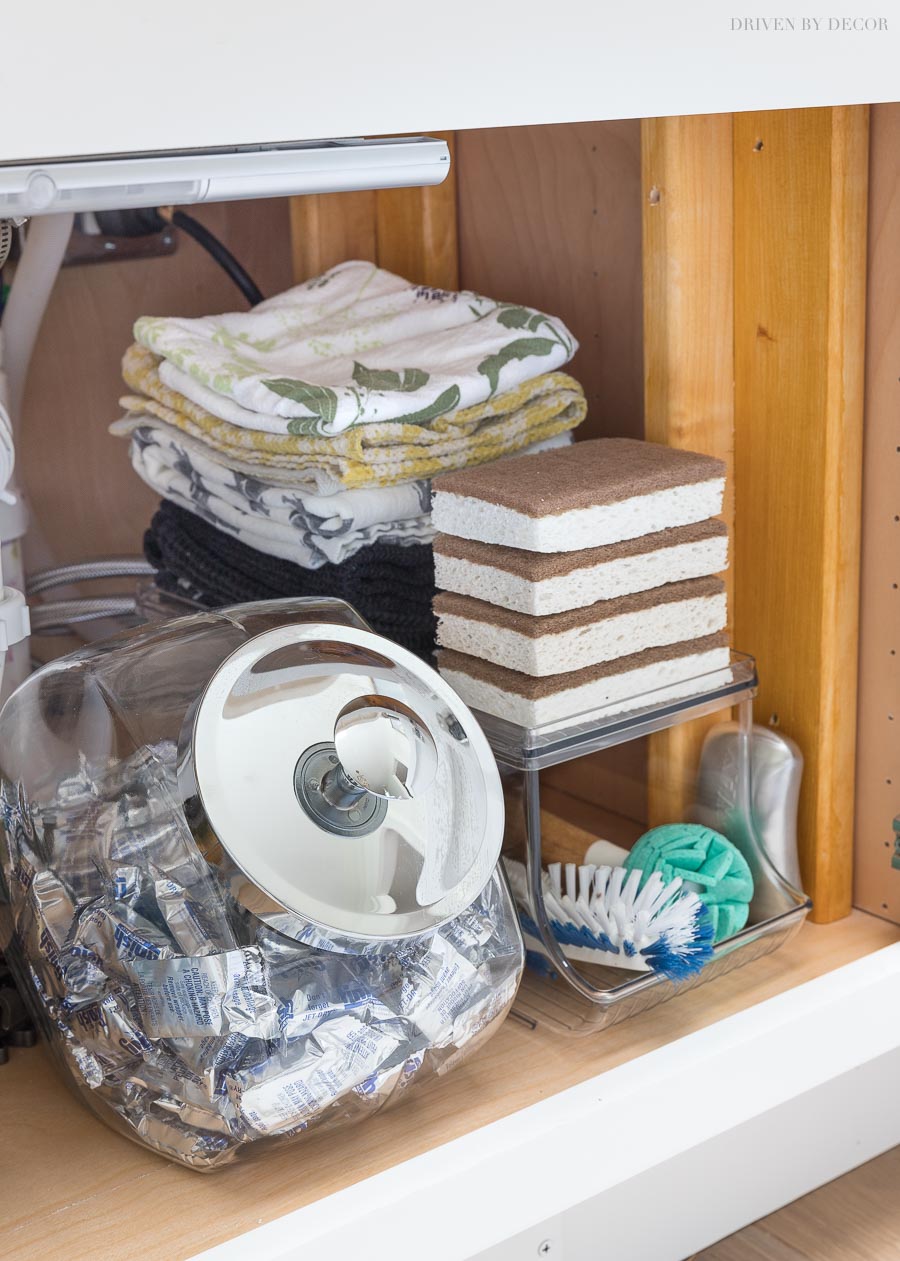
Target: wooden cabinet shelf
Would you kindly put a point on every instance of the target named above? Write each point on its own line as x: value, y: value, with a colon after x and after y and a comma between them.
x: 73, y: 1189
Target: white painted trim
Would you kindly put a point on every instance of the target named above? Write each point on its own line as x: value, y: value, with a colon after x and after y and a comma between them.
x: 655, y: 1158
x: 76, y: 82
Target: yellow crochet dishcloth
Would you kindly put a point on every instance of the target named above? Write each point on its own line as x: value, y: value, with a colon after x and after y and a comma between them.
x: 379, y: 454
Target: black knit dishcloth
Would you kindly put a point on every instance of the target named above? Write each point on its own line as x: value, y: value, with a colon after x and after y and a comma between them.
x: 390, y: 585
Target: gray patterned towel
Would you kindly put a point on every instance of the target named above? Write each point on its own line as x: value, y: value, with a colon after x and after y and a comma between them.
x: 310, y: 530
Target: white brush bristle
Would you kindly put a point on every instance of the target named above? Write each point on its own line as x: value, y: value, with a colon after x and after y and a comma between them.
x: 613, y: 911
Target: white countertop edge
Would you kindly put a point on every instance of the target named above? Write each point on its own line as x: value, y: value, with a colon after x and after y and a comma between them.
x: 469, y: 1195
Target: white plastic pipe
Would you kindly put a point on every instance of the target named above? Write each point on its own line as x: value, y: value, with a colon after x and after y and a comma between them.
x: 7, y: 448
x: 42, y: 256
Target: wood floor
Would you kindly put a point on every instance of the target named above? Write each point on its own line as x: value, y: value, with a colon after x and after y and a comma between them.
x: 854, y: 1218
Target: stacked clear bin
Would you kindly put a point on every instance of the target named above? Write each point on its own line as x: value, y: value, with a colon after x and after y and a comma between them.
x: 581, y: 999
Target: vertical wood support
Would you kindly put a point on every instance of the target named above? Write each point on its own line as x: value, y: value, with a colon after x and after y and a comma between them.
x: 754, y: 273
x: 329, y: 228
x: 876, y: 884
x: 411, y: 231
x: 800, y: 194
x: 688, y: 349
x: 416, y: 230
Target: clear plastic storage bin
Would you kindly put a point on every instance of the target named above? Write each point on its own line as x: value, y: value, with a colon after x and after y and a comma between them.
x: 579, y: 998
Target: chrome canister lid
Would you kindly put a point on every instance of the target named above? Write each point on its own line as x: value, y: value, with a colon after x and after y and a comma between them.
x: 347, y: 782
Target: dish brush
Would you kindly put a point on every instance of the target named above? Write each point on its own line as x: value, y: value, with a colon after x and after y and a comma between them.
x: 605, y: 915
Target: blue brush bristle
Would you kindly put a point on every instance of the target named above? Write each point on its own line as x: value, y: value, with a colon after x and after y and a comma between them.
x: 685, y: 960
x: 527, y: 924
x: 569, y: 935
x: 676, y: 962
x: 540, y: 964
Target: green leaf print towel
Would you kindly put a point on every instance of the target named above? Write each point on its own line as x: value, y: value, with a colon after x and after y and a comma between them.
x: 356, y: 345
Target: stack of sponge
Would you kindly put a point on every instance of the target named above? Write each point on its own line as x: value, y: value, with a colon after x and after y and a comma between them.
x: 579, y: 579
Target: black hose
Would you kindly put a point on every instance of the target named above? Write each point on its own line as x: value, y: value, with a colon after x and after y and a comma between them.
x: 143, y: 222
x: 220, y: 253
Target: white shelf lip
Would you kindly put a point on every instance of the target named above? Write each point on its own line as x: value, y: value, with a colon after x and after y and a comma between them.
x: 530, y: 1170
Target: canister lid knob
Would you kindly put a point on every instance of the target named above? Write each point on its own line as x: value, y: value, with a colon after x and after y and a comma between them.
x: 346, y: 781
x: 385, y: 748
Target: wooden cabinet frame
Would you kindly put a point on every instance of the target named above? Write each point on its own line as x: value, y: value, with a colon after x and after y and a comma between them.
x: 754, y: 245
x: 754, y: 327
x: 754, y: 256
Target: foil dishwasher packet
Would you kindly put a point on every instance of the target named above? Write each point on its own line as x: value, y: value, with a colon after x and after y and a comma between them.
x: 281, y: 951
x: 283, y: 935
x: 85, y: 981
x: 22, y: 878
x: 219, y: 1118
x: 187, y: 1145
x: 185, y: 919
x: 292, y: 963
x: 163, y: 1082
x: 104, y: 939
x: 163, y: 1073
x: 189, y: 996
x: 44, y: 922
x: 288, y: 1092
x: 107, y: 1029
x: 209, y: 1058
x: 411, y: 1066
x: 385, y: 1087
x: 184, y: 899
x: 329, y: 986
x: 439, y: 992
x: 477, y: 1025
x: 126, y: 884
x: 469, y: 933
x: 117, y: 935
x: 87, y: 1067
x: 138, y: 836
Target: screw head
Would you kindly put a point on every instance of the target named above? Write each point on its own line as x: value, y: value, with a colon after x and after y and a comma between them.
x: 545, y: 1247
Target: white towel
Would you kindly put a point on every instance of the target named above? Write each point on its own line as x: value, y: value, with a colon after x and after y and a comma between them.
x: 355, y: 345
x: 309, y: 530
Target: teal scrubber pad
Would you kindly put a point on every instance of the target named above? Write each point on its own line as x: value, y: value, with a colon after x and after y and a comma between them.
x: 707, y: 862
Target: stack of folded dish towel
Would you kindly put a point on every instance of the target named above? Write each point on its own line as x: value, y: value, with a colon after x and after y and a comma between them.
x: 580, y: 579
x: 294, y: 444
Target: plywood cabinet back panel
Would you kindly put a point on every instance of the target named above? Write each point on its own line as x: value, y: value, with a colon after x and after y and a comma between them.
x: 84, y: 497
x: 551, y: 217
